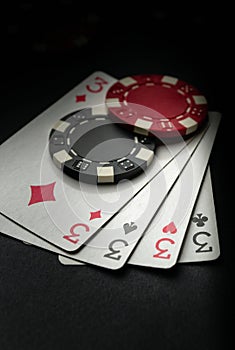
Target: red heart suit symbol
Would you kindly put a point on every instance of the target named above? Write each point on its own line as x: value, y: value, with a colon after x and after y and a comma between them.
x: 170, y: 228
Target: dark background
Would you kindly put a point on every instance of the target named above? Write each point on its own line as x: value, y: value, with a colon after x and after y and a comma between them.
x: 47, y: 49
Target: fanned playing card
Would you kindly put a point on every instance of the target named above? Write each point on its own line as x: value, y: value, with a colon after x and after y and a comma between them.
x: 161, y: 245
x: 202, y: 240
x: 32, y: 187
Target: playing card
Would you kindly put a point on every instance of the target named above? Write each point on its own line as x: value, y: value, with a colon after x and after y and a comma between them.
x: 201, y: 241
x: 161, y: 245
x: 57, y: 208
x: 28, y: 189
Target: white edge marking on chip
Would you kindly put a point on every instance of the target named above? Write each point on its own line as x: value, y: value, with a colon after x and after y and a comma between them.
x: 200, y: 100
x: 113, y: 102
x: 61, y: 157
x: 143, y: 124
x: 81, y: 123
x: 167, y: 125
x: 133, y: 150
x: 61, y: 125
x: 127, y: 81
x: 181, y: 115
x: 105, y: 174
x: 99, y: 109
x: 188, y: 100
x: 145, y: 154
x: 121, y: 159
x: 190, y: 125
x: 169, y: 80
x: 187, y: 110
x: 74, y: 153
x: 149, y: 118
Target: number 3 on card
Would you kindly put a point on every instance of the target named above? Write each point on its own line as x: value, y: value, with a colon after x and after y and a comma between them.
x: 163, y: 252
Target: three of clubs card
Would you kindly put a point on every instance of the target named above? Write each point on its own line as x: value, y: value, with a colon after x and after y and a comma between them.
x: 77, y: 182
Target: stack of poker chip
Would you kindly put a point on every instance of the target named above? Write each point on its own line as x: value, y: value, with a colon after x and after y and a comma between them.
x: 142, y: 110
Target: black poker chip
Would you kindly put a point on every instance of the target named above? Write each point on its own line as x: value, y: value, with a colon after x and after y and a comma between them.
x: 87, y: 145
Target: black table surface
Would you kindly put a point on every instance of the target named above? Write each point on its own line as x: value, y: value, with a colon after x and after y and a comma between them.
x: 45, y: 305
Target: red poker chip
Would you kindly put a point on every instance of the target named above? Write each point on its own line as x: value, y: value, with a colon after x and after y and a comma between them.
x: 158, y: 104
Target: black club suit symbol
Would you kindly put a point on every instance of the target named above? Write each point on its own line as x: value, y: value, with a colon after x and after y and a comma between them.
x: 199, y: 220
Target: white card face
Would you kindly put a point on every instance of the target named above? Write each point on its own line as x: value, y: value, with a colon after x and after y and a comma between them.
x: 31, y: 184
x: 56, y: 208
x: 161, y: 244
x: 202, y: 240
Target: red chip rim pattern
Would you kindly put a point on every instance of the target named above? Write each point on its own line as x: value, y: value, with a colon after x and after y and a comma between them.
x: 159, y: 104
